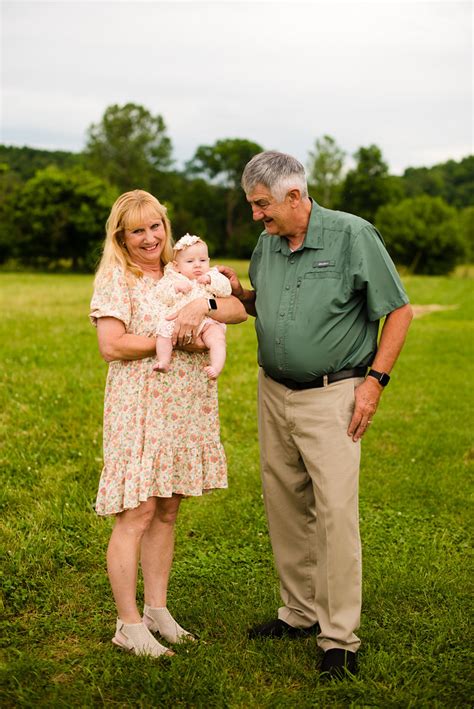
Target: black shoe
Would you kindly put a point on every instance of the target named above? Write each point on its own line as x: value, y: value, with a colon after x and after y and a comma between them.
x: 279, y: 629
x: 338, y: 663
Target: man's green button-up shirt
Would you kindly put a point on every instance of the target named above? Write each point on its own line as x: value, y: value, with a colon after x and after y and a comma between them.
x: 318, y: 308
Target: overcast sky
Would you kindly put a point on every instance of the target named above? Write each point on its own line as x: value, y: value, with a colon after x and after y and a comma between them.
x: 394, y: 73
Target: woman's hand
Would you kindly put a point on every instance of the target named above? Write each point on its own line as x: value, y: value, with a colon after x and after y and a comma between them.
x: 187, y: 321
x: 196, y: 346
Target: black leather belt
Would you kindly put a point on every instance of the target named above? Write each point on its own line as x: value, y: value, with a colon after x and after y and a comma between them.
x: 322, y: 381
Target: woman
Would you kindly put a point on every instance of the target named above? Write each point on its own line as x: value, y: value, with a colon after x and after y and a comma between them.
x: 161, y: 432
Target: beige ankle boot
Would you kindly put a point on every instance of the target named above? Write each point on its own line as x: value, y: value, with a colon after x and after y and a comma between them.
x: 136, y: 638
x: 160, y: 620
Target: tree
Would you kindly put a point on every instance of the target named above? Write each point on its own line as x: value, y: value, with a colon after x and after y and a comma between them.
x: 368, y: 186
x: 60, y: 215
x: 423, y: 233
x: 10, y: 187
x: 453, y: 181
x: 466, y: 222
x: 224, y: 162
x: 201, y: 210
x: 325, y: 170
x: 128, y: 146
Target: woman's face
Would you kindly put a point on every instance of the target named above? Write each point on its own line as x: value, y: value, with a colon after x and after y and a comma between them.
x: 145, y: 241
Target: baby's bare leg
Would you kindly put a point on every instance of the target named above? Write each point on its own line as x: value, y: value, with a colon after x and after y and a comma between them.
x: 214, y: 338
x: 164, y: 348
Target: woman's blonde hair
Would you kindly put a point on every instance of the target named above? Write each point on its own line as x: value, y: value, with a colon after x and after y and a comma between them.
x: 129, y: 211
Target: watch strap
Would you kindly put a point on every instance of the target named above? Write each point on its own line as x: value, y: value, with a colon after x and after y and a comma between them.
x: 382, y: 377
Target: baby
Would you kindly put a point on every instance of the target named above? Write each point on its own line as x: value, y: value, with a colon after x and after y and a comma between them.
x: 189, y: 277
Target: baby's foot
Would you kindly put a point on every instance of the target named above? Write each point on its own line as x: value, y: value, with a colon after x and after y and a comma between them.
x: 211, y: 372
x: 160, y: 367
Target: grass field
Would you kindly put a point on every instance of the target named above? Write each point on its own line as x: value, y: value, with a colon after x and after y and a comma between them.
x: 58, y: 615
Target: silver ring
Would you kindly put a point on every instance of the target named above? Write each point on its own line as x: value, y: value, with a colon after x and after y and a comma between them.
x: 368, y: 423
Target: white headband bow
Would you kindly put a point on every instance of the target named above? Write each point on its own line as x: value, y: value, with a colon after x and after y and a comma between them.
x: 185, y: 241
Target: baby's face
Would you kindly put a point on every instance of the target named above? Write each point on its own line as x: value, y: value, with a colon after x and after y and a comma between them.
x: 193, y: 261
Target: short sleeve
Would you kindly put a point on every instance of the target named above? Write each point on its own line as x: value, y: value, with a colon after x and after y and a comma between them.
x: 373, y: 270
x: 168, y: 293
x: 219, y: 285
x: 111, y: 298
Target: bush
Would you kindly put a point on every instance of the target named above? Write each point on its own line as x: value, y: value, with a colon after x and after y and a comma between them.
x: 466, y: 220
x: 60, y: 215
x: 423, y: 233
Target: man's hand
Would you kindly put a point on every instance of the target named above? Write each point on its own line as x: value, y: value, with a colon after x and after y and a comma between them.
x: 236, y: 285
x: 187, y: 321
x: 368, y: 393
x: 246, y: 297
x: 367, y: 396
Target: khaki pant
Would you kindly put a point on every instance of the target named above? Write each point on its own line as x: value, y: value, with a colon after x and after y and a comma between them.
x: 310, y: 475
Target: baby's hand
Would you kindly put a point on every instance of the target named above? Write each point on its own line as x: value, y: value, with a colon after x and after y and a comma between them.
x: 183, y: 287
x: 204, y: 279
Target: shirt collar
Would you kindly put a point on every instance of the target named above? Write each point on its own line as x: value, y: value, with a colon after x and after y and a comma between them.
x: 314, y: 234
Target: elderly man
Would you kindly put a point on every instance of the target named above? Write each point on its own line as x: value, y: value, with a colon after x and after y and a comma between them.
x: 322, y: 280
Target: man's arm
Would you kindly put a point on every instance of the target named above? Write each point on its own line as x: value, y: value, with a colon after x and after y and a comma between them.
x: 246, y: 297
x: 188, y: 319
x: 367, y: 395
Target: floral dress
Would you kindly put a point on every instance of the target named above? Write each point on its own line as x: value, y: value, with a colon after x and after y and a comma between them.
x: 161, y: 431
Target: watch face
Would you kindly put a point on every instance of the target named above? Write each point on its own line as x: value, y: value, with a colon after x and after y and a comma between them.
x: 382, y: 377
x: 212, y: 304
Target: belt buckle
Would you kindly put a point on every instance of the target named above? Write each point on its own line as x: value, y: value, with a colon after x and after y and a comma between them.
x: 325, y: 380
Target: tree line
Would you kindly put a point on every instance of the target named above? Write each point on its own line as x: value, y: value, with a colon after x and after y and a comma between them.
x: 53, y: 204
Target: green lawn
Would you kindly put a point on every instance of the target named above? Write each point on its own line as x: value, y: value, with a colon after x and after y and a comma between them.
x: 58, y: 611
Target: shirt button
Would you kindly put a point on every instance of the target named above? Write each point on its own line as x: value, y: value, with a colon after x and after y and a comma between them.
x: 287, y: 288
x: 282, y: 314
x: 278, y: 341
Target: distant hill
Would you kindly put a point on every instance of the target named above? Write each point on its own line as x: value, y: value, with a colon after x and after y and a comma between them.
x: 26, y: 161
x: 451, y: 180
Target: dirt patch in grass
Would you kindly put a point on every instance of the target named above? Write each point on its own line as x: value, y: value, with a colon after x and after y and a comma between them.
x: 469, y: 455
x: 420, y: 310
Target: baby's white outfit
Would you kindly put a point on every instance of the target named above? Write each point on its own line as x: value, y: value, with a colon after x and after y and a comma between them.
x: 219, y: 287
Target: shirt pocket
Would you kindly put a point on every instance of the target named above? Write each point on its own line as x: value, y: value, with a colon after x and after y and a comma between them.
x: 309, y: 296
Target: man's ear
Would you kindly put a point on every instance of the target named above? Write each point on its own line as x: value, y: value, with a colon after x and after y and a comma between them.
x: 294, y: 197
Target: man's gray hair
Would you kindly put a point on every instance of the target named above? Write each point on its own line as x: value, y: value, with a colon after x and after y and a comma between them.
x: 278, y: 172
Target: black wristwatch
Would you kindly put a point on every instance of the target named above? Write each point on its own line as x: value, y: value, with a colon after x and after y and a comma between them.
x: 382, y: 377
x: 211, y: 304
